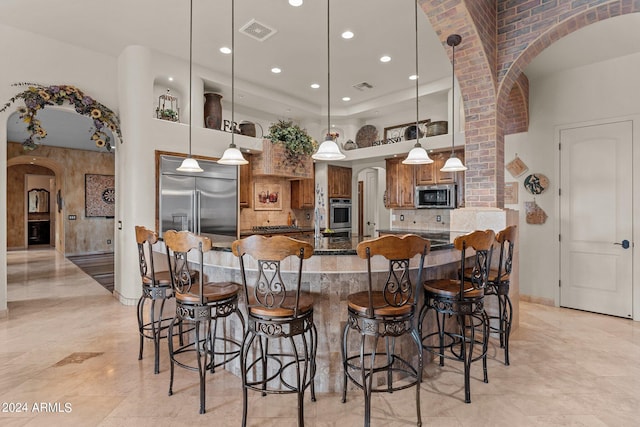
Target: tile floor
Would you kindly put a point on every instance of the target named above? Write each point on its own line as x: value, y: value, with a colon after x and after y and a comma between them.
x: 568, y: 368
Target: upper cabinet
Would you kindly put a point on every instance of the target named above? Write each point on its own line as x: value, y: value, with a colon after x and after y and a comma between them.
x: 431, y: 174
x: 303, y: 193
x: 402, y: 179
x: 400, y: 184
x: 339, y: 182
x: 245, y: 183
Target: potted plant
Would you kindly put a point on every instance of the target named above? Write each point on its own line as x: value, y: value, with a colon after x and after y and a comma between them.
x: 167, y: 114
x: 296, y: 141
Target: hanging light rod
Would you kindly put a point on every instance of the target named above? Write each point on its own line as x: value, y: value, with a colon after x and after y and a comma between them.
x: 418, y: 155
x: 190, y: 164
x: 328, y: 150
x: 232, y: 155
x: 453, y: 163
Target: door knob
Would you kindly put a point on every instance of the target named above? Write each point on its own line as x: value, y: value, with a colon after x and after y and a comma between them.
x: 624, y: 244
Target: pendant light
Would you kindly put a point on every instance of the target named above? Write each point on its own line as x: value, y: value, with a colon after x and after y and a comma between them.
x: 328, y: 150
x: 453, y: 163
x: 418, y: 155
x: 232, y: 155
x: 190, y: 164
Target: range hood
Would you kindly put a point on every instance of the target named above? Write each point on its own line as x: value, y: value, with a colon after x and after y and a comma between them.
x: 273, y: 162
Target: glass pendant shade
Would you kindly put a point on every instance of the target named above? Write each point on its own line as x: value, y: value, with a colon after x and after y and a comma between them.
x: 453, y: 164
x: 189, y: 165
x: 328, y: 150
x: 232, y: 156
x: 417, y: 156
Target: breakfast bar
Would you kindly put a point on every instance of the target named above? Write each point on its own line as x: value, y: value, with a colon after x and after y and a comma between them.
x: 330, y: 275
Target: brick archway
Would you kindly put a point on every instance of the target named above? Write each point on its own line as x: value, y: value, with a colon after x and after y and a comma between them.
x: 500, y: 38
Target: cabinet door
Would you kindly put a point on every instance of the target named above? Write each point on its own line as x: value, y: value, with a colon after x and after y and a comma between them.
x: 407, y: 185
x: 339, y: 185
x: 393, y: 188
x: 245, y: 184
x: 303, y: 194
x: 425, y: 174
x: 443, y: 177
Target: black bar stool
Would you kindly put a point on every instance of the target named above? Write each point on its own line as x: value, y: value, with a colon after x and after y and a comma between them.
x: 156, y: 287
x: 387, y: 313
x: 279, y: 348
x: 463, y: 300
x: 204, y: 305
x: 498, y: 285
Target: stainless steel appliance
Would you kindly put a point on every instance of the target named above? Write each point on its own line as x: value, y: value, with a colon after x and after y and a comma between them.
x: 340, y: 214
x: 204, y: 202
x: 441, y: 196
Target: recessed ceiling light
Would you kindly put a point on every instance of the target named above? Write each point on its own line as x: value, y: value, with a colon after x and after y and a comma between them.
x: 413, y: 77
x: 276, y: 70
x: 347, y: 35
x: 315, y: 85
x: 170, y: 79
x: 346, y: 98
x: 295, y: 3
x: 385, y: 58
x: 225, y: 50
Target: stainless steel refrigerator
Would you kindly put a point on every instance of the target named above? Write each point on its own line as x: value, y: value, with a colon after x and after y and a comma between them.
x: 204, y: 202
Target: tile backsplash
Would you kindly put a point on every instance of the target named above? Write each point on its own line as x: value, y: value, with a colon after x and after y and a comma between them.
x: 421, y: 219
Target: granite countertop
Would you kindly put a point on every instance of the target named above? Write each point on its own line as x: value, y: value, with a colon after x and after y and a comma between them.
x: 249, y: 232
x: 333, y: 245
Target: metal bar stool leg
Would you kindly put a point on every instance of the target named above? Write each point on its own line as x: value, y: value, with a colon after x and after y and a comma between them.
x: 141, y: 325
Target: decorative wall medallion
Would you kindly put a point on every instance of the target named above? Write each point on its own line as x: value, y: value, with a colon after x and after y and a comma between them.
x: 366, y: 135
x: 99, y: 195
x: 536, y: 183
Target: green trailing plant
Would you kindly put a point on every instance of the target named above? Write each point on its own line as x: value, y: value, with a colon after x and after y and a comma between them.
x: 296, y: 141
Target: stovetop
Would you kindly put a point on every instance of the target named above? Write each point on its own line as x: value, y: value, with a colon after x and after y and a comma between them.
x: 274, y: 228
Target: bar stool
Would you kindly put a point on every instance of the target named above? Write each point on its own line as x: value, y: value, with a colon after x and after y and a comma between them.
x: 498, y: 285
x: 464, y: 300
x: 203, y: 305
x: 387, y: 313
x: 279, y: 348
x: 156, y: 287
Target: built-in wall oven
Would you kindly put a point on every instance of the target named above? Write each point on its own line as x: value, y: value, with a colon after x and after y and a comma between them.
x: 340, y: 215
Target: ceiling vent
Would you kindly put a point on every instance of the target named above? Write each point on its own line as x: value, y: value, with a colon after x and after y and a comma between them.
x: 363, y: 86
x: 257, y: 30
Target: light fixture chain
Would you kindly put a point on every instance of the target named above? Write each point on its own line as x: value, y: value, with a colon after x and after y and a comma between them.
x: 328, y: 70
x: 417, y: 75
x: 190, y: 71
x: 233, y: 71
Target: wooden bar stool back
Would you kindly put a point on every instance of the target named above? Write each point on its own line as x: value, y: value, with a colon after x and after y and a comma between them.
x: 204, y: 305
x: 498, y: 285
x: 156, y: 287
x: 385, y: 310
x: 462, y: 299
x: 279, y: 348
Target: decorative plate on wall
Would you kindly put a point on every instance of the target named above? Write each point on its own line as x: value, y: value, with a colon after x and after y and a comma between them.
x: 536, y: 183
x: 366, y: 135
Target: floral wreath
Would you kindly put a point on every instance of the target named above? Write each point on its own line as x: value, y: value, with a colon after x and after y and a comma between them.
x: 37, y: 96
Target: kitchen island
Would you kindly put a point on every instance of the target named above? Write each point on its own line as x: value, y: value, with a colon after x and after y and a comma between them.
x: 330, y: 275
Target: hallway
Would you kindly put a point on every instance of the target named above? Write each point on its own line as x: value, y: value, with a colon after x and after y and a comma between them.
x: 68, y: 341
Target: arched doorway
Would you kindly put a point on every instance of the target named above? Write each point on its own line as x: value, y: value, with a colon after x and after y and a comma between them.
x: 28, y: 224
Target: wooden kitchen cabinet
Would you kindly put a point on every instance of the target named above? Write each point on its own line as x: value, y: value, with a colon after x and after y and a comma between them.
x: 339, y: 182
x: 430, y: 174
x: 400, y: 184
x: 245, y: 184
x: 303, y: 194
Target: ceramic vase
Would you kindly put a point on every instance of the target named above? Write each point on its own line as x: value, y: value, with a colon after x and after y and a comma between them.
x: 213, y: 111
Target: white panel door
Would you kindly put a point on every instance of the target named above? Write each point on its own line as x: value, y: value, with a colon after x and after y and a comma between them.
x: 596, y: 218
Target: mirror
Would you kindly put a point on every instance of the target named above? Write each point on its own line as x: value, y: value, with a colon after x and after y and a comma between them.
x: 38, y: 200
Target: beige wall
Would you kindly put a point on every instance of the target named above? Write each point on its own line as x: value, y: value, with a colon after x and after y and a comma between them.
x: 80, y: 236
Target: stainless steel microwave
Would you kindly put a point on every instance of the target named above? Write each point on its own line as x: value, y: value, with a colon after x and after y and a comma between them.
x: 441, y: 196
